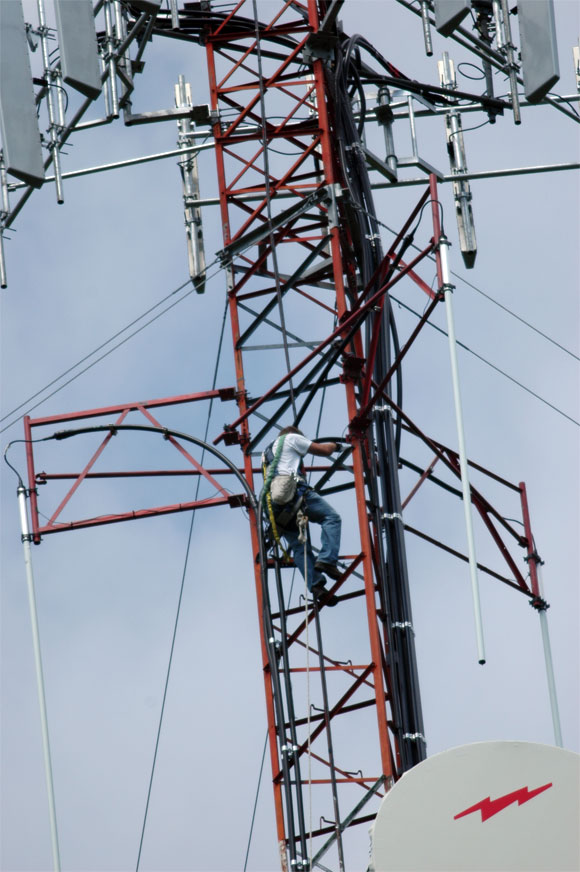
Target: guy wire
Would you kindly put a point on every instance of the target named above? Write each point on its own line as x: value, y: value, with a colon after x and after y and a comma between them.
x: 179, y: 601
x: 256, y: 802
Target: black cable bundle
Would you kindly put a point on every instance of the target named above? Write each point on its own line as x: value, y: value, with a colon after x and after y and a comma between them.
x: 348, y: 85
x: 347, y: 81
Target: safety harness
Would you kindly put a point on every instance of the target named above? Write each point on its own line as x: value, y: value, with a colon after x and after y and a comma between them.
x: 288, y: 512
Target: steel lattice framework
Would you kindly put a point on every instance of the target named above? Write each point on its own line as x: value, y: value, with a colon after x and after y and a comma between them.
x: 299, y: 219
x: 290, y: 250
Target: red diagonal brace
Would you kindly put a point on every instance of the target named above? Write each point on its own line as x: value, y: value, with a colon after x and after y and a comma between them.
x: 87, y: 468
x: 186, y: 454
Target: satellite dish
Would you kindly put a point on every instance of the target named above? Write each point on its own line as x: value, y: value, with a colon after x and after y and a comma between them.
x: 501, y: 806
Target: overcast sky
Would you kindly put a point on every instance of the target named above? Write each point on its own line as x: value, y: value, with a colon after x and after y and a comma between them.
x: 107, y: 598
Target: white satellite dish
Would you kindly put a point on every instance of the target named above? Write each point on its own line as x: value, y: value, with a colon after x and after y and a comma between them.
x: 501, y: 806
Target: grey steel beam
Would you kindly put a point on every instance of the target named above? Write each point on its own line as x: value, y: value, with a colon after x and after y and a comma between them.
x: 178, y: 152
x: 485, y: 174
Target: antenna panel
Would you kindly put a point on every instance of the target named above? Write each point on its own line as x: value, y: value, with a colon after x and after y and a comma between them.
x: 78, y: 46
x: 18, y: 121
x: 540, y: 67
x: 449, y: 14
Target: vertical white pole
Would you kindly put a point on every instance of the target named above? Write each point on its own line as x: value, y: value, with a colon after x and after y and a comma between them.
x: 4, y: 213
x: 39, y: 676
x: 447, y: 290
x: 54, y: 127
x: 190, y: 179
x: 426, y: 28
x: 112, y: 61
x: 509, y: 50
x: 549, y: 666
x: 174, y: 14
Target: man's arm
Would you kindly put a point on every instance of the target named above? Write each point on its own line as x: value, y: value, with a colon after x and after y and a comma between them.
x: 322, y: 449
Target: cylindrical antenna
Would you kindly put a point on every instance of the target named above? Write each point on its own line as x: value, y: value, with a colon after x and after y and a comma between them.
x: 447, y: 288
x: 426, y: 28
x: 106, y: 84
x: 484, y: 27
x: 174, y: 14
x: 4, y: 212
x: 112, y: 62
x: 124, y: 62
x: 414, y: 145
x: 26, y: 537
x: 190, y: 179
x: 53, y: 124
x: 3, y: 277
x: 539, y: 603
x: 499, y: 29
x: 58, y: 83
x: 549, y: 665
x: 511, y: 64
x: 458, y: 164
x: 386, y: 119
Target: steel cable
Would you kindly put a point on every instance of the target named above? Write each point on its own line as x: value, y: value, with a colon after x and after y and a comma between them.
x: 179, y: 601
x: 103, y: 345
x: 493, y: 300
x: 256, y: 802
x: 492, y: 365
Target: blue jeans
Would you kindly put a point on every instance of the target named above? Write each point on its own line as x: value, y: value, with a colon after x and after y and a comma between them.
x: 321, y: 512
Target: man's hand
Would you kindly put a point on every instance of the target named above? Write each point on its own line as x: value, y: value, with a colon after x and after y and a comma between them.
x: 323, y: 449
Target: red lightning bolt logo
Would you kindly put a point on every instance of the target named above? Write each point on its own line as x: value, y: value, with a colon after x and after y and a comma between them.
x: 488, y: 807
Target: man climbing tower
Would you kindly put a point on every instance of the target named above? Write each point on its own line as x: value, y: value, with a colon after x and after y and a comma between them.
x: 290, y: 493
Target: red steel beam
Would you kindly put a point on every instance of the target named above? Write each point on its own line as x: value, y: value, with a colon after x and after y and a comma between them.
x: 83, y: 474
x: 231, y: 500
x: 221, y: 394
x: 533, y: 557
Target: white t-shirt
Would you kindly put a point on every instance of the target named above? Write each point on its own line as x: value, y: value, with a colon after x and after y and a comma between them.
x: 293, y: 450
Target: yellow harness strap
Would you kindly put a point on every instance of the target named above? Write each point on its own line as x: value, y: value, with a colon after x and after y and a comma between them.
x: 272, y: 519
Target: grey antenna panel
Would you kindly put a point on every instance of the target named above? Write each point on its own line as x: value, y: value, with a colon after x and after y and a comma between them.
x: 78, y: 45
x: 18, y: 121
x: 540, y: 67
x: 449, y: 14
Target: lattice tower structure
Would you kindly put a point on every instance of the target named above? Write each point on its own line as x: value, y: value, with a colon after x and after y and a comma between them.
x: 302, y: 257
x: 298, y: 255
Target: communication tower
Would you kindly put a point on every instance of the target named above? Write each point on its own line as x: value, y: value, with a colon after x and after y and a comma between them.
x: 306, y: 122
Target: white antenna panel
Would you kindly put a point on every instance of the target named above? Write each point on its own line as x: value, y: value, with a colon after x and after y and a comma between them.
x: 18, y: 122
x: 78, y: 45
x: 540, y: 67
x: 449, y: 14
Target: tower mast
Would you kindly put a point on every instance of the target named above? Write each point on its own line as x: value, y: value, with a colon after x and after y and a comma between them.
x: 294, y: 244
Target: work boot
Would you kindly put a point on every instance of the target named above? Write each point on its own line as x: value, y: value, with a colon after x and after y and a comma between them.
x: 329, y: 569
x: 322, y: 596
